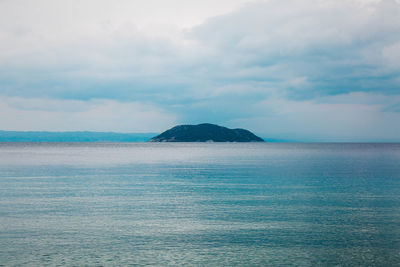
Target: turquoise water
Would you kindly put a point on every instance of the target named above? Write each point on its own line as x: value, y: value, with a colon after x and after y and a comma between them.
x: 199, y: 204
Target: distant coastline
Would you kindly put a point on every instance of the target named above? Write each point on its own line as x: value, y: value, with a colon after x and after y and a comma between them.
x: 78, y: 136
x: 115, y: 137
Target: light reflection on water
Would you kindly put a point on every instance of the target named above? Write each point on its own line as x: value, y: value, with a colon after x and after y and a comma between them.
x: 199, y: 204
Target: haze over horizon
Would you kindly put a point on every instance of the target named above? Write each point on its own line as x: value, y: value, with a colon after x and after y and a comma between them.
x: 310, y: 70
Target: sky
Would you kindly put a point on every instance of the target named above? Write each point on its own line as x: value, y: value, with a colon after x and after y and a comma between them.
x: 307, y: 70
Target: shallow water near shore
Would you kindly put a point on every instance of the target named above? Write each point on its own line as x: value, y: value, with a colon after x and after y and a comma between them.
x: 201, y: 204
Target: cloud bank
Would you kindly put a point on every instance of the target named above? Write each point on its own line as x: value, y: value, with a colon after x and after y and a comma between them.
x: 303, y: 69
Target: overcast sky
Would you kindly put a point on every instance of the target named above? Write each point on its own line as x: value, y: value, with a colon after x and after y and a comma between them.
x: 323, y: 70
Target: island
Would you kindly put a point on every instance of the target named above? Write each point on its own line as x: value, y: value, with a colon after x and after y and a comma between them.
x: 205, y: 132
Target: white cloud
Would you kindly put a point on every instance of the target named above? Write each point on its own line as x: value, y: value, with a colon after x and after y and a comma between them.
x: 348, y: 117
x: 22, y: 114
x: 281, y: 65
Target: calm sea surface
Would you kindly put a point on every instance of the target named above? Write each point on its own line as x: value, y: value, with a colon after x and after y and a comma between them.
x: 169, y: 204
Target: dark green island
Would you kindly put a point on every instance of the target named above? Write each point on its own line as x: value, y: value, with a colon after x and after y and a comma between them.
x: 205, y: 132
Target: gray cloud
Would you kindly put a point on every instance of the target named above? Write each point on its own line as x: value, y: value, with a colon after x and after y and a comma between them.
x: 240, y: 66
x: 338, y: 47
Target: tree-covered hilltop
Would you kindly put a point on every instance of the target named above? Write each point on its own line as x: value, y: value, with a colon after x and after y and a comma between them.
x: 205, y: 132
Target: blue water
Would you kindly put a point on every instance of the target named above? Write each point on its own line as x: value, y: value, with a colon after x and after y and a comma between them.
x: 196, y: 204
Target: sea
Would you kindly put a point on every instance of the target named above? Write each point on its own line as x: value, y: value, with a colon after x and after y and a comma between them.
x: 199, y: 204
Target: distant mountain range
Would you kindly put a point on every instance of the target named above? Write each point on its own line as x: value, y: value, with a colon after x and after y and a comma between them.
x: 206, y: 132
x: 16, y: 136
